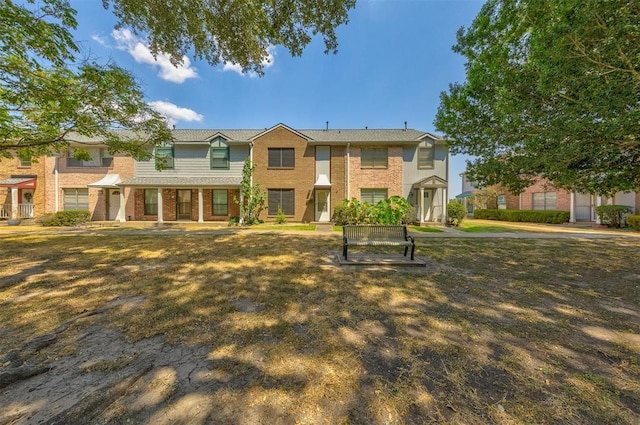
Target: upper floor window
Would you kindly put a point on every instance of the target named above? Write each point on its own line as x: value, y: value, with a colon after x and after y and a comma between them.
x: 99, y: 158
x: 219, y: 154
x: 544, y: 201
x: 164, y: 158
x: 425, y: 157
x: 24, y: 161
x: 281, y: 158
x: 374, y: 158
x: 373, y: 196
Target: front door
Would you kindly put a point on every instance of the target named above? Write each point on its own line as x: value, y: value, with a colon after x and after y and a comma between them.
x: 322, y: 205
x: 26, y: 207
x: 114, y: 203
x: 585, y: 206
x: 183, y: 204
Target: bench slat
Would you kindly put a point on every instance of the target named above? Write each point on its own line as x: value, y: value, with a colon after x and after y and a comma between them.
x: 376, y: 235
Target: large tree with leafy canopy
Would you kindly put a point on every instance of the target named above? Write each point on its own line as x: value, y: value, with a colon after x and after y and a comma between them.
x: 49, y: 93
x: 553, y: 91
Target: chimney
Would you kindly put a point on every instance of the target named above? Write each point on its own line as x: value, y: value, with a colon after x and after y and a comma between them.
x: 327, y: 129
x: 405, y: 126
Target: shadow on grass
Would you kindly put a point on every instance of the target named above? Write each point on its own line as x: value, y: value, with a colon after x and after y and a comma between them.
x: 247, y: 328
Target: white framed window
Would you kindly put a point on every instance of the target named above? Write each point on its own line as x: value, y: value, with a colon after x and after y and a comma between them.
x: 75, y: 199
x: 544, y: 201
x: 425, y: 158
x: 373, y: 196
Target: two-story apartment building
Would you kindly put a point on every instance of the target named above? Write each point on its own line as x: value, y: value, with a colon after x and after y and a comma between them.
x: 305, y: 173
x: 22, y: 189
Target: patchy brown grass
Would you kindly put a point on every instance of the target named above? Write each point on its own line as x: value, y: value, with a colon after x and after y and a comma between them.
x: 491, y: 331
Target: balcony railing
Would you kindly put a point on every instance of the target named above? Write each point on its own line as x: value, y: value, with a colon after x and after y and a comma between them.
x: 24, y: 210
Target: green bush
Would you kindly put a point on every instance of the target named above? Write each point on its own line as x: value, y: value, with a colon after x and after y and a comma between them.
x: 613, y: 215
x: 634, y: 221
x: 526, y: 216
x: 65, y: 218
x: 456, y: 212
x: 280, y: 217
x: 394, y: 210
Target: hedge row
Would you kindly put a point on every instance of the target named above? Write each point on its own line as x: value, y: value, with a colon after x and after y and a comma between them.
x: 528, y: 216
x: 634, y: 221
x: 65, y: 218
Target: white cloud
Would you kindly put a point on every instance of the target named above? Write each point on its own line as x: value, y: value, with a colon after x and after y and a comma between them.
x: 100, y: 40
x: 129, y: 42
x: 266, y: 63
x: 175, y: 113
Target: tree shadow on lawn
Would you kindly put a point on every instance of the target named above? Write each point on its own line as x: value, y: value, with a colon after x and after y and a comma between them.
x: 247, y: 328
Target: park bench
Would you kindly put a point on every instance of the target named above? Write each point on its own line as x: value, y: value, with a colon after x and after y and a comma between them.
x: 376, y: 235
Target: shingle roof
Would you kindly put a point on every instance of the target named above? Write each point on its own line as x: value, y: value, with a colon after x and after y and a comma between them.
x: 182, y: 181
x: 325, y: 136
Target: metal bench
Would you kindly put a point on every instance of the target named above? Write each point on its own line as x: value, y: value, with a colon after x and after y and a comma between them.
x: 376, y: 235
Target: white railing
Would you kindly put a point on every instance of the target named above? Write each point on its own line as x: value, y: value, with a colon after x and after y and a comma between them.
x: 24, y: 210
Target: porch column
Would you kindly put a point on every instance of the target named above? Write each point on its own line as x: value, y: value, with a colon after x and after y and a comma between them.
x: 572, y: 207
x: 160, y: 218
x: 598, y: 203
x: 121, y: 214
x: 200, y: 206
x: 241, y: 221
x: 14, y: 203
x: 444, y: 205
x: 421, y: 205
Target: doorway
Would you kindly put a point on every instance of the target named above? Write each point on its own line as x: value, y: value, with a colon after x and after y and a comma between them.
x: 183, y: 204
x: 322, y: 205
x: 113, y: 204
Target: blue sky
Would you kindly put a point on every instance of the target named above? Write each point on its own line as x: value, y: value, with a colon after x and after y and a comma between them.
x: 393, y: 60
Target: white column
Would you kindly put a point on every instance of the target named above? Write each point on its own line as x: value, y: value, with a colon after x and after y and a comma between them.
x: 121, y: 211
x: 14, y: 203
x: 598, y: 203
x: 241, y: 206
x: 347, y: 176
x: 421, y: 205
x: 572, y: 207
x: 200, y: 206
x: 56, y: 184
x: 160, y: 217
x: 444, y: 205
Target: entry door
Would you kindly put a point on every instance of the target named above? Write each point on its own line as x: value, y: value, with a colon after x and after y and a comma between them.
x: 114, y: 203
x: 184, y: 204
x: 322, y: 205
x: 584, y: 207
x: 26, y: 209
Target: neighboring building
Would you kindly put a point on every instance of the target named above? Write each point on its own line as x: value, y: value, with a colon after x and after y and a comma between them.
x: 466, y: 196
x: 305, y: 173
x: 542, y: 195
x: 22, y: 188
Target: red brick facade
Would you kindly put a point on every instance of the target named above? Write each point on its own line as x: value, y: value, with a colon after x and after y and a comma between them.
x: 11, y: 167
x: 389, y: 178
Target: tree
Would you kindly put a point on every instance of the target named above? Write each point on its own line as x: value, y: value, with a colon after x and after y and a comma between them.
x: 49, y: 97
x: 252, y: 197
x: 237, y: 31
x: 551, y: 91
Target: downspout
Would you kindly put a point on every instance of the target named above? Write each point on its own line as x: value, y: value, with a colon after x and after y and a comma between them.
x: 56, y: 183
x: 347, y: 173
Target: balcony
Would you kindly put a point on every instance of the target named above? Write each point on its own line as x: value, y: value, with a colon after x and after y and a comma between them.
x: 23, y: 210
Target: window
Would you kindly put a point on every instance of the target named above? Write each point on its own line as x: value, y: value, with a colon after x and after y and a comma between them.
x: 502, y: 202
x: 544, y: 201
x: 219, y: 158
x: 220, y: 202
x: 151, y: 201
x: 281, y: 158
x: 164, y: 158
x: 425, y: 157
x: 106, y: 159
x: 373, y: 196
x: 75, y: 199
x: 283, y: 198
x: 99, y: 158
x: 24, y: 161
x: 374, y: 158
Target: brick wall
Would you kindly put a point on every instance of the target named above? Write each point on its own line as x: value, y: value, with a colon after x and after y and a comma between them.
x: 301, y: 178
x: 376, y: 178
x: 169, y: 205
x: 563, y: 198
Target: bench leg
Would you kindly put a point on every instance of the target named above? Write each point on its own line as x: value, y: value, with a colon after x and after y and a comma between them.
x: 406, y: 248
x: 413, y: 248
x: 344, y: 251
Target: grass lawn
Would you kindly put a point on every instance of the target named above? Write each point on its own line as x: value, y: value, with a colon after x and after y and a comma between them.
x: 471, y: 226
x: 254, y: 327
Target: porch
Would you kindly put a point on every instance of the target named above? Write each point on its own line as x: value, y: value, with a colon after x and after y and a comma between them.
x: 20, y: 211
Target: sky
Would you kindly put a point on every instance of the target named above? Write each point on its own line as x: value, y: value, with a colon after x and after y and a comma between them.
x: 394, y: 59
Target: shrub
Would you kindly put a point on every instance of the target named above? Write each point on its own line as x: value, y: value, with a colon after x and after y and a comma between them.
x: 65, y: 218
x: 393, y: 210
x: 634, y: 221
x: 352, y: 212
x: 456, y: 212
x: 280, y: 217
x: 527, y: 216
x: 613, y: 215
